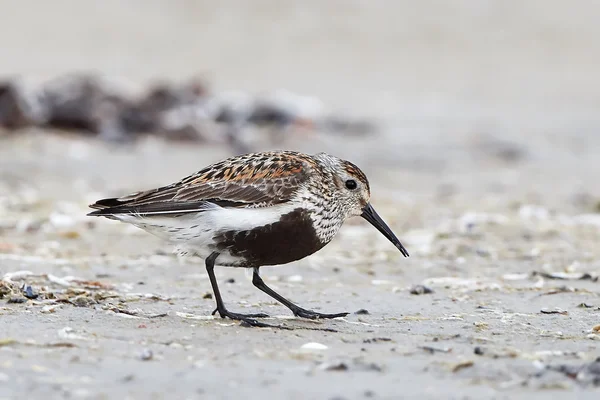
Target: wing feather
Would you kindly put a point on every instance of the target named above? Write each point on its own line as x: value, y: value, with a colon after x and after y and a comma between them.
x: 253, y: 180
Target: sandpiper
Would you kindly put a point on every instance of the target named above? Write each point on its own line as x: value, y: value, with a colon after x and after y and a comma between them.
x: 254, y: 210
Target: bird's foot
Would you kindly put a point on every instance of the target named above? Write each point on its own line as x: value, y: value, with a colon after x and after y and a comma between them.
x: 302, y: 313
x: 224, y: 313
x: 244, y: 318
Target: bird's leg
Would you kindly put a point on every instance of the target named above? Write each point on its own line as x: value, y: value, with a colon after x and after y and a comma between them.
x: 298, y: 311
x: 210, y: 268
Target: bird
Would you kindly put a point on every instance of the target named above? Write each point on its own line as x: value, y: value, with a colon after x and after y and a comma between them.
x: 254, y: 210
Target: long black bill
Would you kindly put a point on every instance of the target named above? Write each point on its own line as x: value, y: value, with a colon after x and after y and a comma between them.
x: 374, y: 219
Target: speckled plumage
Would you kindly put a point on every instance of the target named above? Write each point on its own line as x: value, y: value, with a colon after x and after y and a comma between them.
x: 253, y: 210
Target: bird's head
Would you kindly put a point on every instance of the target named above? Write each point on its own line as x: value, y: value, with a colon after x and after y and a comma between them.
x: 353, y: 192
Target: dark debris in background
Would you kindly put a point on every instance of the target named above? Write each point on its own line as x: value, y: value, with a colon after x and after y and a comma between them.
x: 188, y: 111
x: 420, y: 289
x: 586, y: 374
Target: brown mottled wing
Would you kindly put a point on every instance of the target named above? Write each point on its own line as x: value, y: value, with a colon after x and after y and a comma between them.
x: 254, y: 180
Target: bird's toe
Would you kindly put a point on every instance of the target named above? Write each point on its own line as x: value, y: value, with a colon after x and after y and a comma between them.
x: 309, y: 314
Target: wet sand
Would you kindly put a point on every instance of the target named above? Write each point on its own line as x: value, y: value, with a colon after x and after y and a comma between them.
x: 486, y: 168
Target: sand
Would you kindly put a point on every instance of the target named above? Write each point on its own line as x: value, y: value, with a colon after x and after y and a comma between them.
x: 486, y: 169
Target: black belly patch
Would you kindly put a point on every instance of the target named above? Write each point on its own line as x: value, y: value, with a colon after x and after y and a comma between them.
x: 289, y: 239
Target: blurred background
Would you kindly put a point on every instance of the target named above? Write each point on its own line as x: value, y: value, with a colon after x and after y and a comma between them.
x: 476, y: 122
x: 439, y: 87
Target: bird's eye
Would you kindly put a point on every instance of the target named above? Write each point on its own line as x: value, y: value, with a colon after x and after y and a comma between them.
x: 351, y: 184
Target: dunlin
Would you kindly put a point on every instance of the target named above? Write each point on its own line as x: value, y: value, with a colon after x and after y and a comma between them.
x: 254, y: 210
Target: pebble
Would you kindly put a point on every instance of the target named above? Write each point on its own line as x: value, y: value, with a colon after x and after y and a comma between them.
x: 50, y: 308
x: 69, y: 333
x: 146, y: 355
x: 420, y: 289
x: 338, y: 366
x: 313, y: 346
x: 29, y: 292
x: 17, y: 300
x: 378, y: 282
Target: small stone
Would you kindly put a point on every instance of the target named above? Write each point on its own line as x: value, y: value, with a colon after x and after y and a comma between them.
x: 362, y: 311
x: 313, y: 346
x: 380, y: 282
x: 29, y: 292
x: 207, y: 296
x: 432, y: 350
x: 340, y: 366
x: 49, y: 309
x: 420, y: 289
x: 82, y: 301
x: 478, y: 350
x: 146, y: 355
x: 17, y: 300
x: 230, y: 280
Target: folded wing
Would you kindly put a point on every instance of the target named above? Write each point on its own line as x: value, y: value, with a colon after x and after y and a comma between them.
x: 250, y: 181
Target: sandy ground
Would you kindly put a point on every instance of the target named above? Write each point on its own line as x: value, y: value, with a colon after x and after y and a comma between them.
x: 486, y: 169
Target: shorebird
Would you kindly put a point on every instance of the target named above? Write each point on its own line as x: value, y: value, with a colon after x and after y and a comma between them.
x: 254, y: 210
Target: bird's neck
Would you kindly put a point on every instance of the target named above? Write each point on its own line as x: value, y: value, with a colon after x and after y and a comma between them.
x: 324, y: 212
